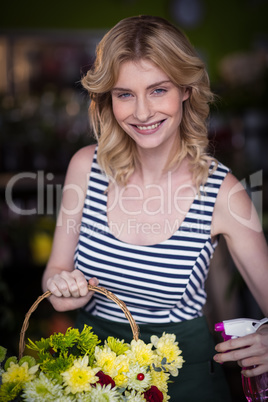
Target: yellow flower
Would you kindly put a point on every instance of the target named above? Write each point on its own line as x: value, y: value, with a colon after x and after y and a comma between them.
x: 121, y: 368
x: 166, y: 397
x: 80, y: 376
x: 160, y: 379
x: 112, y: 365
x: 16, y: 373
x: 141, y: 352
x: 105, y: 359
x: 166, y: 347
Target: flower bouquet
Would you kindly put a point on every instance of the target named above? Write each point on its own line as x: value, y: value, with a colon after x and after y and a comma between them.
x: 76, y: 366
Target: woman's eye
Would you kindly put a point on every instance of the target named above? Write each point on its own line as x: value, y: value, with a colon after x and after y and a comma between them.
x: 159, y: 91
x: 124, y: 95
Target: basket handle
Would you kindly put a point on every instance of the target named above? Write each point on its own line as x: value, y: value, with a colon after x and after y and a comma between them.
x: 107, y: 293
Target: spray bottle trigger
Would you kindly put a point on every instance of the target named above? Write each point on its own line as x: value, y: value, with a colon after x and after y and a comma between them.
x: 258, y: 324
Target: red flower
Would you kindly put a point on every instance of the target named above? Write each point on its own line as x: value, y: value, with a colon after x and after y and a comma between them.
x: 105, y: 379
x: 153, y: 394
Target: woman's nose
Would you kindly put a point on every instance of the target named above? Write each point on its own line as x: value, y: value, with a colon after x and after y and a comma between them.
x: 143, y: 109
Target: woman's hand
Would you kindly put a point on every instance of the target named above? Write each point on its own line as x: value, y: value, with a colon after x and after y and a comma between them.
x: 249, y: 351
x: 69, y: 290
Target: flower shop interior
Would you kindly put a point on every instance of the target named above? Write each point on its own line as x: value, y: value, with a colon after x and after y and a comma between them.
x: 45, y: 48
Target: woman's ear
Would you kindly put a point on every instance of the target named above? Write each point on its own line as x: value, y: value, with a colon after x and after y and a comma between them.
x: 186, y: 93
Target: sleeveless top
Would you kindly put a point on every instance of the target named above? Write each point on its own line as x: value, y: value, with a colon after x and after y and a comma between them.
x: 159, y: 283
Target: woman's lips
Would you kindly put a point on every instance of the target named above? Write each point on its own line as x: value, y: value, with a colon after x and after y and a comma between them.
x: 149, y: 128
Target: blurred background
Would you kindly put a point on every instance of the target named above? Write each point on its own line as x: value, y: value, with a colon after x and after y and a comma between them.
x: 45, y: 48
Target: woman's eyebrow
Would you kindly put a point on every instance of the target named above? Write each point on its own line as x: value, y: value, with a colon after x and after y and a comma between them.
x: 120, y: 89
x: 149, y: 87
x: 158, y: 84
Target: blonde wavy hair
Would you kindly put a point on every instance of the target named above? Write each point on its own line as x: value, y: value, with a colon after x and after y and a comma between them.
x: 156, y: 40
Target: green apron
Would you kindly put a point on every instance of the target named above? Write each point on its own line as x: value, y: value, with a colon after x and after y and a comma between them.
x: 200, y: 379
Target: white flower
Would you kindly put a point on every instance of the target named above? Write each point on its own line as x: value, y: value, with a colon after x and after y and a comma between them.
x: 134, y: 397
x: 66, y: 398
x: 138, y: 378
x: 83, y: 397
x: 104, y: 394
x: 42, y: 389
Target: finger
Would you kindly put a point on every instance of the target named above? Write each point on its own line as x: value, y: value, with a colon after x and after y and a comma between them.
x: 249, y: 362
x: 233, y: 355
x: 255, y: 360
x: 64, y: 285
x: 58, y: 286
x: 246, y: 357
x: 93, y: 281
x: 71, y: 284
x: 81, y: 288
x: 69, y: 288
x: 255, y: 351
x: 254, y: 371
x: 239, y: 362
x: 69, y: 303
x: 53, y: 288
x: 237, y: 343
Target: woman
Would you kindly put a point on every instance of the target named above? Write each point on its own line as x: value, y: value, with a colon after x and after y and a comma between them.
x: 142, y: 211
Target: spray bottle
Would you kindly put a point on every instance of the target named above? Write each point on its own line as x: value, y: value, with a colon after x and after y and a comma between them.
x: 255, y: 388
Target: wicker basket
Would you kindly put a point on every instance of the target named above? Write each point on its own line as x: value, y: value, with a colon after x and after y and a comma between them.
x: 107, y: 293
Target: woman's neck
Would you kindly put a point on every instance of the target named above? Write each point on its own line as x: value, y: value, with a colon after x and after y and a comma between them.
x: 152, y: 166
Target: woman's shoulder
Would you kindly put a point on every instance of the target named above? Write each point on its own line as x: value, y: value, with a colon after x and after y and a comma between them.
x: 84, y: 156
x: 80, y: 166
x: 233, y: 206
x: 229, y: 184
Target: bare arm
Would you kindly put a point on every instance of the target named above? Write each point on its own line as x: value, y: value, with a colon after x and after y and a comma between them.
x: 69, y: 286
x: 235, y: 217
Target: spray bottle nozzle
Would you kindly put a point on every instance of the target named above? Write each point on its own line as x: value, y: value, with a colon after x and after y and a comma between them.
x: 239, y: 327
x: 219, y: 327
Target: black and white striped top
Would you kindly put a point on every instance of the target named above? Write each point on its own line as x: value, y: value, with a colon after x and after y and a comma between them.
x: 159, y: 283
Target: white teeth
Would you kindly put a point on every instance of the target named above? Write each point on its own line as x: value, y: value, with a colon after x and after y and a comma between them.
x: 149, y: 127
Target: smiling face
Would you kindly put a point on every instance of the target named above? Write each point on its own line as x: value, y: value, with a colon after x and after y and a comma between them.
x: 147, y: 105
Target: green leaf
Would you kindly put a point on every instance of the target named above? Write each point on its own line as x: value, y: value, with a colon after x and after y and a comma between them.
x: 117, y: 346
x: 157, y: 369
x: 164, y: 361
x: 3, y: 352
x: 39, y: 346
x: 12, y: 359
x: 29, y: 359
x: 9, y: 391
x: 57, y: 366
